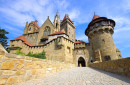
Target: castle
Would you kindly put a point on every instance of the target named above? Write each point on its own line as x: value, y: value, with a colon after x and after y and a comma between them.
x: 58, y: 40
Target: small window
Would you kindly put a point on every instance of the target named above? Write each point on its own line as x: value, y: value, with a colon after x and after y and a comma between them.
x: 56, y: 25
x: 68, y: 49
x: 29, y: 28
x: 103, y: 41
x: 12, y: 45
x: 106, y: 58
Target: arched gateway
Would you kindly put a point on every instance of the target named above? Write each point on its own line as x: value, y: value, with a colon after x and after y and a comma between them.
x: 81, y: 62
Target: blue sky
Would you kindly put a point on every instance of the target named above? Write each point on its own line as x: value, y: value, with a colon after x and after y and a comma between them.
x: 15, y: 13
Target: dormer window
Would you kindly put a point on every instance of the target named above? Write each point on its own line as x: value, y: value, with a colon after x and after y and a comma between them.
x: 29, y: 28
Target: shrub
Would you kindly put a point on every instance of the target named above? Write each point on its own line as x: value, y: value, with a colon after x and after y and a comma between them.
x: 37, y: 55
x: 19, y: 52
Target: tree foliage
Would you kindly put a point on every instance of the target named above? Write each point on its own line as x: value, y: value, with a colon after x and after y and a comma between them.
x: 3, y: 38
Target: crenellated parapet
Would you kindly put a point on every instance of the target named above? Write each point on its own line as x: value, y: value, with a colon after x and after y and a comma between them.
x: 101, y: 29
x: 101, y: 24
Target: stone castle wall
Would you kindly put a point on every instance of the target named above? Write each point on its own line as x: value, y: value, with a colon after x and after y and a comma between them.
x: 120, y: 66
x: 83, y: 50
x: 57, y: 49
x: 16, y: 68
x: 31, y: 38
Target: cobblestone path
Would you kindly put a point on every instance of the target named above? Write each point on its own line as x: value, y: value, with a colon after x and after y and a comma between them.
x: 81, y: 76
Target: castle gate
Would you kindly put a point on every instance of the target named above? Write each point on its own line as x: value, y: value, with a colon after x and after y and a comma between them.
x: 81, y: 62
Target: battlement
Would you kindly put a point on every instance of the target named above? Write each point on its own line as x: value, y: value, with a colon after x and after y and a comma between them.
x: 81, y: 45
x: 101, y: 29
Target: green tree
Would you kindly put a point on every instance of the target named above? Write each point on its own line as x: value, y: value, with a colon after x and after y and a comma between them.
x: 3, y: 38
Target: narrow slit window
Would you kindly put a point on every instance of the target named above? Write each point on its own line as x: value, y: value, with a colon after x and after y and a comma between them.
x: 103, y: 41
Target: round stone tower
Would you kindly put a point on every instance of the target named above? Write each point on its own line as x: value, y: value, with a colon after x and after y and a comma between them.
x: 99, y: 32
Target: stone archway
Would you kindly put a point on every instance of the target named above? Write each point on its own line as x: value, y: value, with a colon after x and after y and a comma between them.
x: 81, y: 62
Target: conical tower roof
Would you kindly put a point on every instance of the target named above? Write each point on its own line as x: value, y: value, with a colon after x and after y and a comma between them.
x: 95, y: 17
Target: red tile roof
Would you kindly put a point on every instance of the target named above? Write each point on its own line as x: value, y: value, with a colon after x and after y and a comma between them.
x: 95, y: 17
x: 57, y: 33
x: 23, y: 39
x: 79, y: 41
x: 65, y: 17
x: 36, y: 24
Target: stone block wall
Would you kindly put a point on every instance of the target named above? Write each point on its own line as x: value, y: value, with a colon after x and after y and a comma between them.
x: 120, y: 66
x: 16, y: 68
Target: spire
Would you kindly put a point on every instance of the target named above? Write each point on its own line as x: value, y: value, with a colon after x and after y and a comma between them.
x: 57, y: 18
x: 57, y: 13
x: 95, y: 16
x: 57, y: 21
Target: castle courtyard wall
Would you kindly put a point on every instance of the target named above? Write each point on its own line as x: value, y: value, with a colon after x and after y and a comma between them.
x: 83, y: 50
x: 68, y: 49
x: 52, y: 49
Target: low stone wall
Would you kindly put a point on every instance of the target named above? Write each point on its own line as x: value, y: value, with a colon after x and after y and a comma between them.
x: 16, y: 68
x: 120, y: 66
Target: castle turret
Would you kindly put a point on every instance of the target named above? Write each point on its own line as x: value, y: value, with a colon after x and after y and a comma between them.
x: 68, y: 27
x: 57, y: 22
x: 99, y: 32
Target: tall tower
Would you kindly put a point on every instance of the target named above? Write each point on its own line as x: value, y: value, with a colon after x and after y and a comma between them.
x: 57, y: 22
x: 68, y: 27
x: 99, y: 32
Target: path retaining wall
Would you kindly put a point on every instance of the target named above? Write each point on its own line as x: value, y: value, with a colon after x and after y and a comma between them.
x: 120, y: 66
x: 16, y: 68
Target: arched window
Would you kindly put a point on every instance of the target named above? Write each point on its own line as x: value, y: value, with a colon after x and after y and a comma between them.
x: 47, y: 31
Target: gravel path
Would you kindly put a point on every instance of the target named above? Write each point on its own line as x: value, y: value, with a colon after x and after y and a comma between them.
x: 81, y: 76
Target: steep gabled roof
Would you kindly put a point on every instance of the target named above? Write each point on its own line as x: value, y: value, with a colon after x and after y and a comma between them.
x: 23, y: 39
x: 65, y: 17
x: 79, y: 41
x: 46, y: 22
x: 36, y: 24
x: 57, y: 33
x: 95, y: 17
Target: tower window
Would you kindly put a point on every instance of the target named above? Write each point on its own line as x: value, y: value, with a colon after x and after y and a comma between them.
x: 56, y: 25
x: 106, y: 58
x: 103, y: 41
x: 29, y: 28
